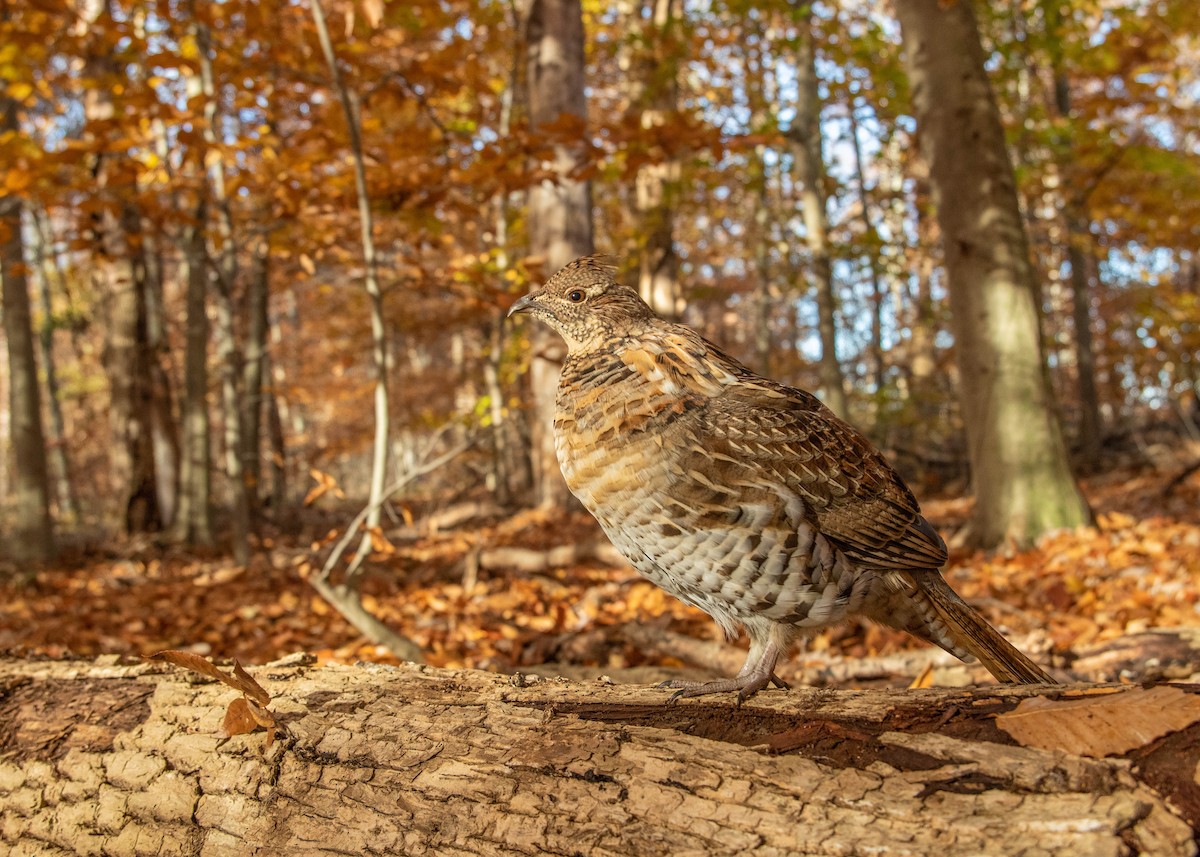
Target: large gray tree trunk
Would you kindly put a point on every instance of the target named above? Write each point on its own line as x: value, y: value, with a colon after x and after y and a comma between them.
x: 560, y: 210
x: 1021, y: 478
x: 109, y: 759
x: 31, y: 536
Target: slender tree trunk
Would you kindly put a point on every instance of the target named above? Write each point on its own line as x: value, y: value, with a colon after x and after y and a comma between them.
x: 506, y: 447
x: 501, y: 486
x: 764, y: 301
x: 119, y: 270
x: 1022, y: 481
x: 810, y: 172
x: 379, y: 353
x: 347, y: 597
x: 164, y: 429
x: 254, y: 369
x: 31, y: 537
x: 924, y: 327
x: 193, y: 521
x: 1080, y: 258
x: 560, y: 211
x: 278, y: 448
x: 225, y: 254
x: 47, y: 262
x: 871, y: 237
x: 652, y: 74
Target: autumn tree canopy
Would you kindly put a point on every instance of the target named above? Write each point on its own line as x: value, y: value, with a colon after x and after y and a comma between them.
x: 185, y: 188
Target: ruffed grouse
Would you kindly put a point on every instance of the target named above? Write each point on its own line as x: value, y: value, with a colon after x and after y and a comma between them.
x: 742, y: 496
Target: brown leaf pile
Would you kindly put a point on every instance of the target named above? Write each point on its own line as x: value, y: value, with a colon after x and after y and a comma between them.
x: 1139, y: 569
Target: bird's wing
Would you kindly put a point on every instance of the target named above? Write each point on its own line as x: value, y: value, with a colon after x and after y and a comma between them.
x: 754, y: 432
x: 851, y: 494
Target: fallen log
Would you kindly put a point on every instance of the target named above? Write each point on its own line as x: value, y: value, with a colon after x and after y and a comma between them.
x: 128, y: 758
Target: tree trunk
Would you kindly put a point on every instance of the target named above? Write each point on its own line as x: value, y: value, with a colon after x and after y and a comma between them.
x: 254, y: 369
x: 871, y: 240
x: 47, y: 262
x: 230, y: 358
x: 1022, y: 480
x: 652, y: 72
x: 560, y: 211
x: 105, y: 758
x: 31, y: 537
x: 193, y: 519
x: 278, y: 447
x: 379, y: 341
x: 119, y: 272
x: 764, y: 300
x: 1079, y: 255
x: 810, y: 172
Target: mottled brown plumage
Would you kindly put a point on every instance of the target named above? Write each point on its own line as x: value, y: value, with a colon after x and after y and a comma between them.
x: 742, y: 496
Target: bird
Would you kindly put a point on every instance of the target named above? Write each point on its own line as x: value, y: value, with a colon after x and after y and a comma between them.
x: 744, y: 497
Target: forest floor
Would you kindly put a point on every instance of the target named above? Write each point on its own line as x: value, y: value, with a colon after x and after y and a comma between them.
x: 451, y: 592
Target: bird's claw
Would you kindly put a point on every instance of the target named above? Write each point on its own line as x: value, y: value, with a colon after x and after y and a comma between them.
x: 746, y: 687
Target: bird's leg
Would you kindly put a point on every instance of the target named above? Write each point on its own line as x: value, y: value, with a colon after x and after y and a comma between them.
x: 755, y: 674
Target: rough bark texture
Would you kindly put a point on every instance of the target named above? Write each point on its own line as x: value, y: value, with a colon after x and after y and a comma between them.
x: 1020, y: 476
x: 109, y: 759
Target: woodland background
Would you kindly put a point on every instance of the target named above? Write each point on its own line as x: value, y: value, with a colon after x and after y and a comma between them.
x: 257, y: 258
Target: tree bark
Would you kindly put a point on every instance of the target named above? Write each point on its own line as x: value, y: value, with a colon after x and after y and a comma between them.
x: 45, y: 263
x: 117, y: 759
x: 193, y: 519
x: 254, y: 368
x: 1021, y: 478
x: 560, y: 210
x: 32, y: 533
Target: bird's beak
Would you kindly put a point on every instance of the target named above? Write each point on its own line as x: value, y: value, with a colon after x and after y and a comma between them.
x: 522, y: 305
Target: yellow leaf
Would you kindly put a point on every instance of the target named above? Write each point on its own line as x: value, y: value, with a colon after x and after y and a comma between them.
x: 17, y: 180
x: 19, y: 91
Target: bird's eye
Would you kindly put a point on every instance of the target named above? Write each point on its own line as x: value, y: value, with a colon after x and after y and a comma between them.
x: 575, y: 296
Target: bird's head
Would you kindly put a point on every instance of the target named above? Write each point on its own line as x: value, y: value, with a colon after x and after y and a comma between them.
x: 585, y: 305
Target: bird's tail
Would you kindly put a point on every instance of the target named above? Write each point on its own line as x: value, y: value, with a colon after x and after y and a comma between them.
x: 934, y: 612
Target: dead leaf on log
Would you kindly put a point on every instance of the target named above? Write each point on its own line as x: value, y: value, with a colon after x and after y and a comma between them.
x: 1098, y: 726
x: 195, y: 663
x: 247, y: 685
x: 238, y: 718
x: 240, y: 680
x: 243, y: 715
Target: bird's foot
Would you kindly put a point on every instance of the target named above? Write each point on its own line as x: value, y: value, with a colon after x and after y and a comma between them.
x: 745, y: 685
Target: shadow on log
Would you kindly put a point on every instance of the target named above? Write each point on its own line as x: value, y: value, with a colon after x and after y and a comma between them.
x: 110, y: 758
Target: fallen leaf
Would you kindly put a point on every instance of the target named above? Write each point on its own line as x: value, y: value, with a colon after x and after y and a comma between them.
x: 239, y: 719
x: 247, y: 685
x: 1103, y: 725
x: 195, y: 663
